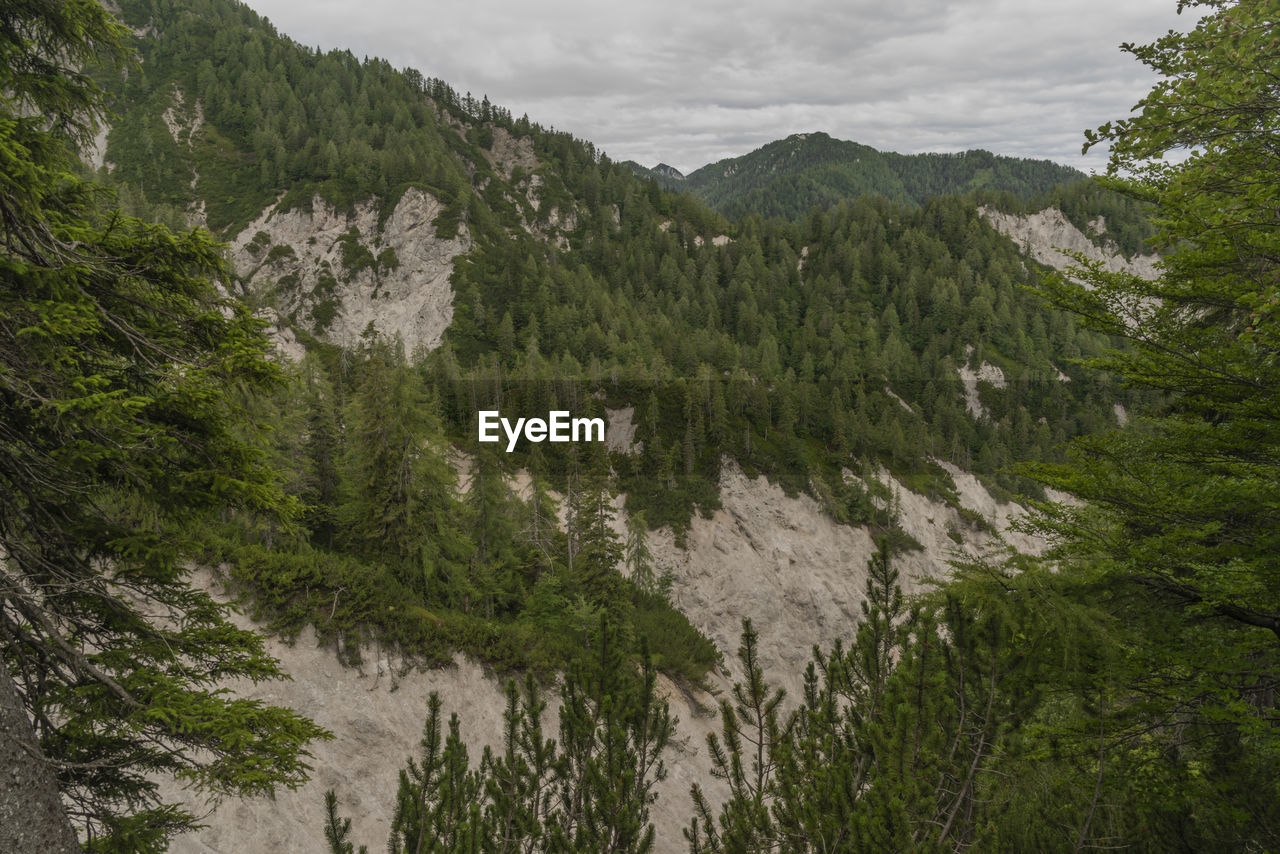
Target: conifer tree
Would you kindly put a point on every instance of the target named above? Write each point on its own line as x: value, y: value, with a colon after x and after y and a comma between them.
x: 402, y: 506
x: 337, y: 829
x: 637, y: 557
x: 119, y: 441
x: 594, y: 550
x: 745, y: 757
x: 519, y: 783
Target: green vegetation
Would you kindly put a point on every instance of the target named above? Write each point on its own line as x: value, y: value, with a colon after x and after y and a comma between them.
x: 392, y: 548
x: 797, y: 350
x: 790, y: 177
x: 785, y: 349
x: 277, y: 117
x: 119, y: 444
x: 1178, y: 545
x: 1119, y: 692
x: 588, y: 791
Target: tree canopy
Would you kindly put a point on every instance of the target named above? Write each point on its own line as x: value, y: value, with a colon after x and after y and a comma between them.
x: 1181, y: 533
x: 119, y: 365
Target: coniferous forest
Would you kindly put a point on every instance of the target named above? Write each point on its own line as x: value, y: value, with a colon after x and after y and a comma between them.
x: 814, y: 325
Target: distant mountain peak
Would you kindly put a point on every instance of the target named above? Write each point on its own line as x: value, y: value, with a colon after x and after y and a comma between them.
x: 669, y: 171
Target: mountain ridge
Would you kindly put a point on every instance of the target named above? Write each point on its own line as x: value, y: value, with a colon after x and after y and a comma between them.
x: 867, y: 363
x: 790, y: 176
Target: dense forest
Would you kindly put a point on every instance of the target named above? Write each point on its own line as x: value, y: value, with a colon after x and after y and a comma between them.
x: 1119, y: 692
x: 792, y: 176
x: 801, y: 350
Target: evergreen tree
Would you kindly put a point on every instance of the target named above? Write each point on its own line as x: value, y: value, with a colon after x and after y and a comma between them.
x: 119, y: 440
x: 337, y: 829
x: 594, y: 550
x: 637, y: 557
x: 591, y: 791
x: 746, y: 759
x: 519, y: 782
x: 402, y: 508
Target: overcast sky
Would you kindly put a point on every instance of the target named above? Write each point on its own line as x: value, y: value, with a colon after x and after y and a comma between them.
x: 688, y: 82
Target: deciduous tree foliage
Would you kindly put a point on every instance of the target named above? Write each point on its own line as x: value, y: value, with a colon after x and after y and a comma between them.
x: 116, y: 440
x: 1182, y: 533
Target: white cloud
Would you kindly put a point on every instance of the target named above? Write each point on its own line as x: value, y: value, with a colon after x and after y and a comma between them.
x: 690, y: 83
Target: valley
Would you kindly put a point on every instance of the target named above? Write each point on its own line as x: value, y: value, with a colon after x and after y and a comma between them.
x: 823, y: 498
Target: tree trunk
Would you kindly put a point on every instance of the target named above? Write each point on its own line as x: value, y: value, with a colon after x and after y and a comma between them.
x: 33, y: 819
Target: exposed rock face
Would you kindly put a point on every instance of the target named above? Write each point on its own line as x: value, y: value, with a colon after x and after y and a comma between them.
x: 1047, y: 236
x: 799, y: 576
x: 376, y: 714
x: 508, y: 152
x: 287, y: 343
x: 403, y: 292
x: 183, y: 122
x: 777, y: 560
x: 620, y: 431
x: 986, y: 373
x: 377, y: 719
x: 95, y: 153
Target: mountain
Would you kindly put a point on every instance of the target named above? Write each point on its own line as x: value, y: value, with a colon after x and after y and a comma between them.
x: 782, y: 394
x: 668, y: 172
x: 791, y: 176
x: 523, y: 270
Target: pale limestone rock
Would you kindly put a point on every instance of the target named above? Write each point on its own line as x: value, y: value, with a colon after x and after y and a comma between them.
x: 970, y: 378
x: 508, y: 152
x: 376, y: 714
x: 1047, y: 236
x: 620, y: 430
x: 282, y: 336
x: 94, y: 154
x: 413, y: 301
x: 183, y: 123
x: 776, y: 559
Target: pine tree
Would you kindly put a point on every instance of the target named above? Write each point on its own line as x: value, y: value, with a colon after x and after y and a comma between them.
x: 437, y: 806
x: 402, y: 507
x: 519, y: 782
x: 594, y: 550
x: 337, y: 829
x: 636, y: 554
x: 613, y: 730
x: 744, y: 756
x: 1181, y: 528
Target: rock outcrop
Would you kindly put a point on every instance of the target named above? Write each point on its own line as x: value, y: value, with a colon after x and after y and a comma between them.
x: 1048, y: 236
x: 343, y: 274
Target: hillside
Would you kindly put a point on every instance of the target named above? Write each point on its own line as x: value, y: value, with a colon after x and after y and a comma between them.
x: 488, y: 493
x: 784, y: 393
x: 522, y: 270
x: 791, y: 176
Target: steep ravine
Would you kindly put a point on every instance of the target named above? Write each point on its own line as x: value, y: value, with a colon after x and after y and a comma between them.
x: 775, y: 559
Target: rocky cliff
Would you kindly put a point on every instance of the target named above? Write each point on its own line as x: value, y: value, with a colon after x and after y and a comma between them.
x: 342, y: 274
x: 1050, y: 238
x: 775, y: 559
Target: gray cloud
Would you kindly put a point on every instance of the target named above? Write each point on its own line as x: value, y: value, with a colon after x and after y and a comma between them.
x: 691, y: 83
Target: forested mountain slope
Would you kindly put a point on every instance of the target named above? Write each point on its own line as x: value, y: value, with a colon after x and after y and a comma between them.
x: 789, y: 177
x: 525, y: 271
x: 822, y: 382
